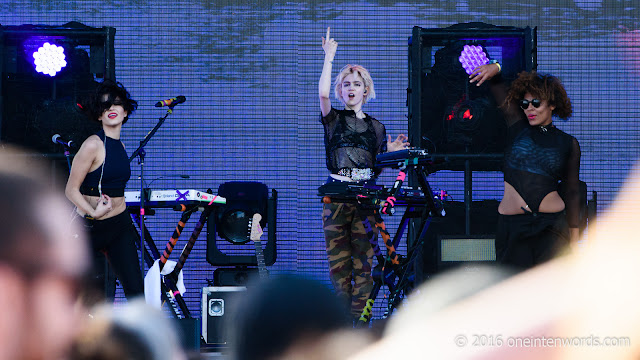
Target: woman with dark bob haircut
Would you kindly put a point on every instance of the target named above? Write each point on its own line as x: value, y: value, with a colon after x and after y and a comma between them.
x: 96, y: 184
x: 96, y: 105
x: 535, y: 222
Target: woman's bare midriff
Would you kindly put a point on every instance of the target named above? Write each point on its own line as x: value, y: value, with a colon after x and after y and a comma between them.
x: 512, y: 203
x: 118, y: 206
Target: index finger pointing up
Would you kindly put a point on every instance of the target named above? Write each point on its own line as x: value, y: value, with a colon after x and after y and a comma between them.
x: 328, y: 30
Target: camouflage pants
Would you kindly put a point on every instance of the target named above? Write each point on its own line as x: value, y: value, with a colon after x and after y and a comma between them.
x: 350, y: 253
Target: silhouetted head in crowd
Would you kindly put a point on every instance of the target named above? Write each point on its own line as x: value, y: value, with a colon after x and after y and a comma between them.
x: 43, y: 260
x: 281, y: 312
x: 135, y: 331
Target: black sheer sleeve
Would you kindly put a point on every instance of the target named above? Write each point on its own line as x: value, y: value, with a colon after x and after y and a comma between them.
x: 329, y: 122
x: 382, y: 140
x: 381, y: 144
x: 572, y: 185
x: 331, y: 117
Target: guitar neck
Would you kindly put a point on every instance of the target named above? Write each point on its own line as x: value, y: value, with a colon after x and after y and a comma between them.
x: 255, y: 231
x: 262, y: 266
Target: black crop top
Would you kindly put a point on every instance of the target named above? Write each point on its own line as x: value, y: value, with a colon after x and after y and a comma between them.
x: 351, y: 142
x: 536, y: 159
x: 116, y: 171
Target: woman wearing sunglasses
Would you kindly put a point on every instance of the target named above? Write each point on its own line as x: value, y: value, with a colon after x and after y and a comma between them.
x: 534, y: 221
x: 96, y: 184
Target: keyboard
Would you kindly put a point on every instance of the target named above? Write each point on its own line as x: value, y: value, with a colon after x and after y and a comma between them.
x: 169, y: 198
x: 402, y: 155
x: 375, y: 192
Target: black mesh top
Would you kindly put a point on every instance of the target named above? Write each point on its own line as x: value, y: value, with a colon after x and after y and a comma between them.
x: 351, y: 142
x: 536, y: 159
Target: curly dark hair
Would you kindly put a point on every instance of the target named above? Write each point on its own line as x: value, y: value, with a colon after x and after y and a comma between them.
x: 543, y: 86
x: 95, y: 105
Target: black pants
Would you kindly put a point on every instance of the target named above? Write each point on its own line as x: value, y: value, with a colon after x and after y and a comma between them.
x: 115, y: 238
x: 523, y: 241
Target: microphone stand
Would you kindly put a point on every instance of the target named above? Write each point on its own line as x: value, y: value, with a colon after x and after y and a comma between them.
x: 140, y: 152
x: 67, y: 154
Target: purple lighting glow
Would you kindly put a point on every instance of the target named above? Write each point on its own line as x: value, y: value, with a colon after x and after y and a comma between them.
x: 49, y: 59
x: 472, y: 56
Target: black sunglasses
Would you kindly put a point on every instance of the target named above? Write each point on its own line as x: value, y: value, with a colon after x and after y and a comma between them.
x: 524, y: 103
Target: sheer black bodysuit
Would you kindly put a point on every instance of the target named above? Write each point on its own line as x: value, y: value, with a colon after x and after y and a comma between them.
x: 536, y: 159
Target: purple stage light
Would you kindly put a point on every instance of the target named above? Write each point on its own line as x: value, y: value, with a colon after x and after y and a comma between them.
x: 49, y: 59
x: 472, y: 56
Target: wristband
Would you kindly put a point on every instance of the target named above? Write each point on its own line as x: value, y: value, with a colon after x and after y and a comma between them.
x: 497, y: 63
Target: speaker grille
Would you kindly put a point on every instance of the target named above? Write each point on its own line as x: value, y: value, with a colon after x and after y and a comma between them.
x: 468, y: 248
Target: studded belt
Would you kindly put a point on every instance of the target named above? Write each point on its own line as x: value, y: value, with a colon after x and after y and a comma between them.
x: 356, y: 174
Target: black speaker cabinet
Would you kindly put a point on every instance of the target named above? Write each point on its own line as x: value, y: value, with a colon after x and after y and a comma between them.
x: 217, y: 306
x: 445, y: 243
x: 447, y: 114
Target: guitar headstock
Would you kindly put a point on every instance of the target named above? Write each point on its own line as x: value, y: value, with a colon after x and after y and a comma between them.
x: 256, y: 229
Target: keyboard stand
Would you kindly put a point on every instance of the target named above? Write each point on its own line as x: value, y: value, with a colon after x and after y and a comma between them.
x: 169, y: 290
x: 178, y: 307
x: 396, y: 273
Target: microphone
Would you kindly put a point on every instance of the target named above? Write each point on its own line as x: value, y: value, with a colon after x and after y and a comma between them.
x: 57, y: 139
x: 171, y: 102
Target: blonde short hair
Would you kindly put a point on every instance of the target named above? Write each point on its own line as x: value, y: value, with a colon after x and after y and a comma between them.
x: 364, y: 74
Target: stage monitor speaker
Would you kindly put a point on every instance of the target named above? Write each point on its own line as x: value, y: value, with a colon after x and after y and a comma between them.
x: 447, y: 114
x: 445, y: 242
x: 218, y: 303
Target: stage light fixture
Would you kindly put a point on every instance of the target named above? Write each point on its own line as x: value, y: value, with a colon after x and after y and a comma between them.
x: 234, y: 225
x: 231, y: 222
x: 472, y: 56
x: 49, y: 59
x: 244, y: 199
x: 46, y: 70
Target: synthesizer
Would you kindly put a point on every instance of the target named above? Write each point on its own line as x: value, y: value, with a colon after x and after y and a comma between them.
x: 170, y: 198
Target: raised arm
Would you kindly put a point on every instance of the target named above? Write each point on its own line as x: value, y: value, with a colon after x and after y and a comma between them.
x: 499, y: 90
x: 484, y: 73
x: 324, y: 87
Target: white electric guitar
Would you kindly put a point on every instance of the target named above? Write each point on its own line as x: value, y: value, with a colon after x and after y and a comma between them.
x: 255, y: 232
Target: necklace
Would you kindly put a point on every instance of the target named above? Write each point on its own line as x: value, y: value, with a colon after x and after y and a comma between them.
x: 359, y: 112
x: 545, y: 128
